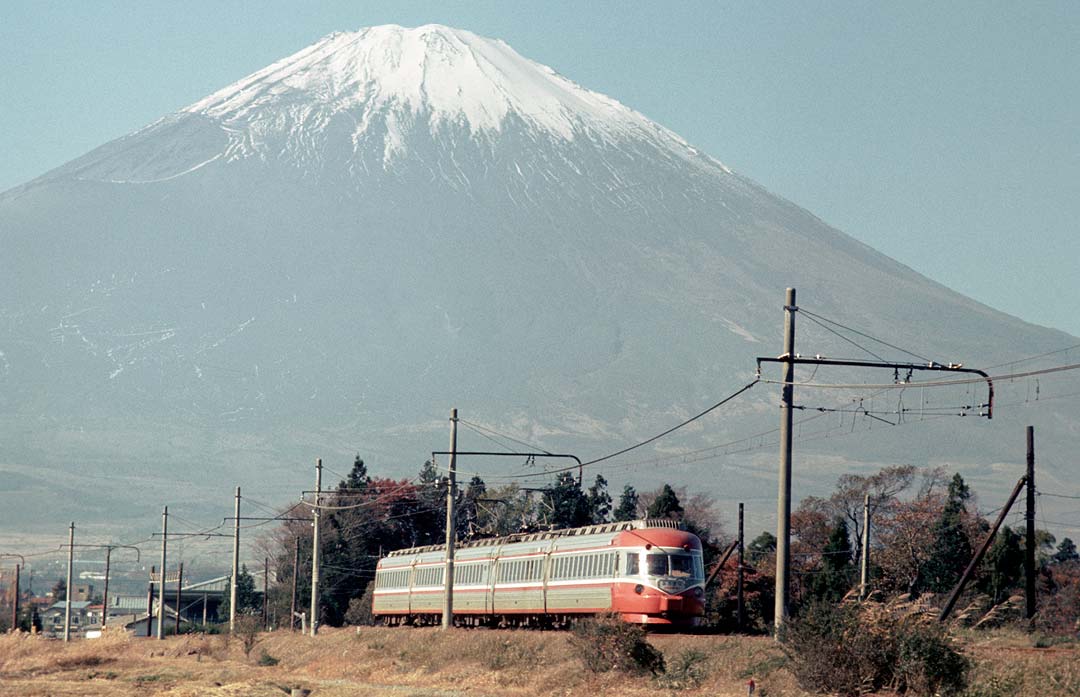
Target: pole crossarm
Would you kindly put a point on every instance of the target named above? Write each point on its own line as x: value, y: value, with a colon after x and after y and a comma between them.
x: 138, y: 553
x: 930, y: 366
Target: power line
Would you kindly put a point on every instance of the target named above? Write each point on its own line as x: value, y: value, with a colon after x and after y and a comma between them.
x: 929, y: 383
x: 478, y: 427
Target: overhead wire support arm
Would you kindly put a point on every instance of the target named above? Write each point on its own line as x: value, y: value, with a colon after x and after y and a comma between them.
x: 483, y: 453
x: 929, y: 366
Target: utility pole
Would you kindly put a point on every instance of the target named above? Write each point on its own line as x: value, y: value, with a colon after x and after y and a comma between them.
x: 67, y: 593
x: 315, y: 550
x: 451, y: 527
x: 235, y: 564
x: 179, y: 597
x: 266, y: 589
x: 739, y: 577
x: 105, y: 593
x: 783, y: 502
x: 164, y: 544
x: 864, y: 577
x: 295, y: 570
x: 15, y: 603
x: 1029, y: 553
x: 150, y: 602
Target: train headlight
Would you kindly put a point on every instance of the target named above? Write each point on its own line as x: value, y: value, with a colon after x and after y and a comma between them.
x: 639, y: 589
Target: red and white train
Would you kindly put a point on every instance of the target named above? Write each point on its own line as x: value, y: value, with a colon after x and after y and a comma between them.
x: 648, y: 571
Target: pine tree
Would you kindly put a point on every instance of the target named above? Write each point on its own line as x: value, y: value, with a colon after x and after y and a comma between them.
x: 1003, y: 565
x: 628, y: 505
x: 1066, y: 552
x: 834, y: 578
x: 951, y: 549
x: 566, y: 505
x: 666, y: 505
x: 599, y: 501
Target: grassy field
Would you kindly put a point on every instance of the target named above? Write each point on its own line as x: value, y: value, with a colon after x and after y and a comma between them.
x: 429, y: 663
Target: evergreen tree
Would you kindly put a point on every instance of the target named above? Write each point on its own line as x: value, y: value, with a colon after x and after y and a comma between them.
x: 761, y: 547
x: 1003, y: 565
x: 599, y: 501
x: 1066, y: 552
x: 834, y: 578
x: 951, y: 550
x: 59, y: 590
x: 666, y: 505
x: 358, y: 477
x: 566, y: 505
x: 628, y: 504
x: 248, y: 599
x: 468, y: 518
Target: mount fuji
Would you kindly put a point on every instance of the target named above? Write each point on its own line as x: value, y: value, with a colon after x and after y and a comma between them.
x: 325, y: 256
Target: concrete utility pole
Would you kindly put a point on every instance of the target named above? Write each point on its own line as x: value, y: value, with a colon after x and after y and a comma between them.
x: 235, y: 563
x: 266, y: 589
x: 1029, y: 553
x: 864, y: 577
x: 105, y: 593
x: 451, y: 527
x: 179, y: 596
x: 295, y: 570
x: 783, y: 502
x: 315, y: 550
x: 15, y: 603
x: 161, y: 596
x: 67, y: 593
x: 739, y: 577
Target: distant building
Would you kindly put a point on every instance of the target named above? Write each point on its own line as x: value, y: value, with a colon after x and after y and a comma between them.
x: 83, y: 616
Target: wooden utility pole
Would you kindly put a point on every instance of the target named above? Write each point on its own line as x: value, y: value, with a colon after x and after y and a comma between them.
x: 783, y: 503
x: 266, y: 590
x: 150, y: 603
x: 67, y: 593
x: 164, y: 544
x: 105, y: 593
x: 295, y: 570
x: 864, y: 577
x: 1029, y: 553
x: 451, y: 527
x: 741, y: 615
x: 235, y: 563
x: 315, y: 550
x: 179, y: 597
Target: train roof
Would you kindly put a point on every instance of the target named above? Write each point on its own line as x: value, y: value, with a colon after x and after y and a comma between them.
x: 549, y: 535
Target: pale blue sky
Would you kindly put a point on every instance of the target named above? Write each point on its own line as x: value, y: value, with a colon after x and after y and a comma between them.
x: 946, y: 135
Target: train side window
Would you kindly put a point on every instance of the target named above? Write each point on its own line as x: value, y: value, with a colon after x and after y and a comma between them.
x: 632, y: 568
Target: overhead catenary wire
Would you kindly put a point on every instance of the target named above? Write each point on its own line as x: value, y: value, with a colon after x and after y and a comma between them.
x: 812, y: 316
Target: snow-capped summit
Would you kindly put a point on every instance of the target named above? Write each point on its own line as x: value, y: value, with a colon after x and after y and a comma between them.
x: 381, y: 80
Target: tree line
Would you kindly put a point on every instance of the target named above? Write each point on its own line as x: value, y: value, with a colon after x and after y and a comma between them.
x: 924, y: 528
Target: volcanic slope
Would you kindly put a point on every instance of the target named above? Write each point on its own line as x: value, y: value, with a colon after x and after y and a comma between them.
x: 325, y: 256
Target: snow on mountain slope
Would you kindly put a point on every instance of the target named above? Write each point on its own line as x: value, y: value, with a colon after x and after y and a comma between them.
x: 394, y: 74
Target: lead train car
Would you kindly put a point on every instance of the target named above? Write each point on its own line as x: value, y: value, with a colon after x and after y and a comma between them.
x: 648, y: 571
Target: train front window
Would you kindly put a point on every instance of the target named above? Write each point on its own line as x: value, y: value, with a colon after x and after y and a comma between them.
x: 657, y: 564
x: 681, y: 566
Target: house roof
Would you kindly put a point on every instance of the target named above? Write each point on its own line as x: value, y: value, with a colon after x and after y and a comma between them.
x: 75, y: 605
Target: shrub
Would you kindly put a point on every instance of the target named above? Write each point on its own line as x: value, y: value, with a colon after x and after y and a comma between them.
x: 359, y: 612
x: 850, y: 650
x: 926, y: 662
x: 685, y: 672
x: 266, y: 659
x: 608, y: 643
x: 247, y: 629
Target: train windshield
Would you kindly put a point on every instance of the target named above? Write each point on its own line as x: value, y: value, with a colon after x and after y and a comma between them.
x: 683, y: 566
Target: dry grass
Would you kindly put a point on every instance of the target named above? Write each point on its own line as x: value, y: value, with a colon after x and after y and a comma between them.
x: 430, y: 663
